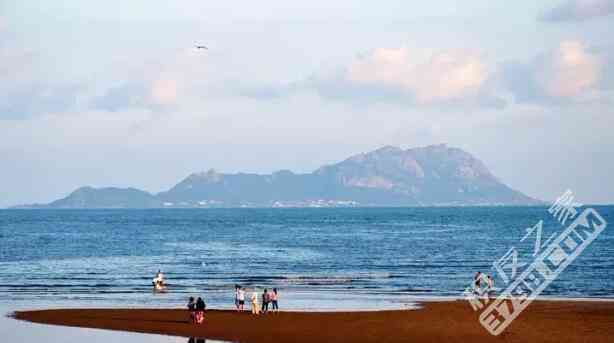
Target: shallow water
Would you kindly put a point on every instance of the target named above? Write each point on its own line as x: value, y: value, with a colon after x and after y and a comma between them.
x: 12, y: 330
x: 319, y: 258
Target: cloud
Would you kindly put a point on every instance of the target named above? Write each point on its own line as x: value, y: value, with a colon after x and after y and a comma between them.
x: 158, y: 94
x: 571, y: 70
x: 562, y: 75
x: 578, y: 10
x: 400, y: 75
x: 444, y: 76
x: 173, y: 82
x: 176, y: 80
x: 30, y: 99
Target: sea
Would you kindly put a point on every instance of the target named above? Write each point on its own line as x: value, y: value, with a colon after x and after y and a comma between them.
x: 318, y: 258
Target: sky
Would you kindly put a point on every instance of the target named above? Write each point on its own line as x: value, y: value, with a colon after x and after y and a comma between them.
x: 114, y: 93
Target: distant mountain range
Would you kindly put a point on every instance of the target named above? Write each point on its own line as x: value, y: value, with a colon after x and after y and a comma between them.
x: 435, y: 175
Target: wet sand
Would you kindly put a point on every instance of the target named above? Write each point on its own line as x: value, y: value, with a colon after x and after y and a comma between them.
x: 452, y: 321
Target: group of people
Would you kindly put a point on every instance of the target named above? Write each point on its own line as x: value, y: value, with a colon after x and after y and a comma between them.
x: 197, y: 310
x: 268, y: 298
x: 477, y: 284
x: 196, y: 307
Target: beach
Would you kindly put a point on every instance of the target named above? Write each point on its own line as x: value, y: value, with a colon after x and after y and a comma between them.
x: 447, y: 321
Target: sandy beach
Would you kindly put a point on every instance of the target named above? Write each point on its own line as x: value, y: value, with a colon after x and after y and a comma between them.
x: 451, y: 321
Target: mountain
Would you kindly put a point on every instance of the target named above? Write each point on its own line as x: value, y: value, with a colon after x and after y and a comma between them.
x: 435, y: 175
x: 109, y: 197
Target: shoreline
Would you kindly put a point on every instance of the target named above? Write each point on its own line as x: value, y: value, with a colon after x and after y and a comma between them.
x: 434, y: 321
x: 408, y: 303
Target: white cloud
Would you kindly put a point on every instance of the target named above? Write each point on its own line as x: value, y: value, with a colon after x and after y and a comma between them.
x: 570, y: 70
x: 578, y: 10
x: 444, y: 76
x: 162, y: 84
x: 570, y: 73
x: 411, y: 77
x: 390, y: 66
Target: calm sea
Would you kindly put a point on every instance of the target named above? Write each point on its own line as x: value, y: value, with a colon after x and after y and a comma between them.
x: 317, y: 258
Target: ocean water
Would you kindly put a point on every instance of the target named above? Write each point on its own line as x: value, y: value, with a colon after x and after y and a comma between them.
x: 345, y: 258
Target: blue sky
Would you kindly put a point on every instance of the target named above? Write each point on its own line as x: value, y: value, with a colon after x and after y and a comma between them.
x: 113, y: 94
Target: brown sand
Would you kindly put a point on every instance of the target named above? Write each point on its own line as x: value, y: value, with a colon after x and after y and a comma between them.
x: 453, y: 321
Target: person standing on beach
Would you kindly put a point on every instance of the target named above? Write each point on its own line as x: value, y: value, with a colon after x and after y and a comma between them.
x: 240, y: 299
x: 476, y: 281
x: 255, y: 309
x: 192, y: 310
x: 491, y: 286
x: 237, y: 287
x: 200, y: 310
x: 265, y: 301
x: 274, y: 298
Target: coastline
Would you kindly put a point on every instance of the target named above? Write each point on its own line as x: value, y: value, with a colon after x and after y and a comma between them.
x: 434, y: 321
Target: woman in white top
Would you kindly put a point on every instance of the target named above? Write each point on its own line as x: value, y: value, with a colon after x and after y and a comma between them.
x: 255, y: 308
x: 241, y: 298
